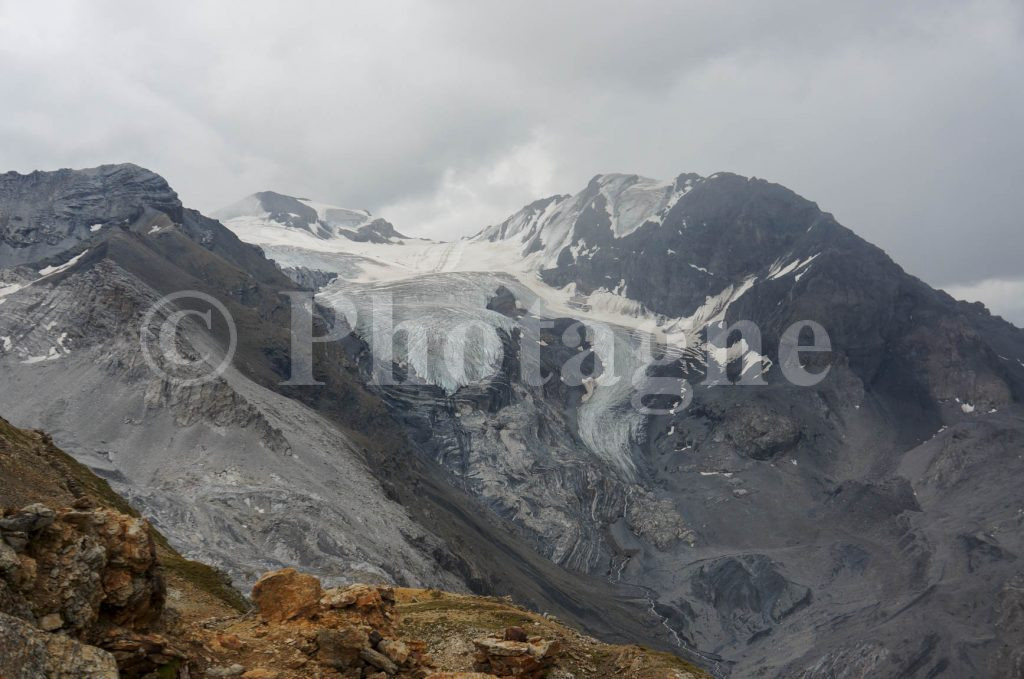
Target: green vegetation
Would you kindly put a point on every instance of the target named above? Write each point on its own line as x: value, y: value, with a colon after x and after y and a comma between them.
x: 205, y: 578
x: 94, y: 486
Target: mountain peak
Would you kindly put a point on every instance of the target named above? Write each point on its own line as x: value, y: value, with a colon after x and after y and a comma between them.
x: 611, y: 205
x: 47, y: 212
x: 268, y: 212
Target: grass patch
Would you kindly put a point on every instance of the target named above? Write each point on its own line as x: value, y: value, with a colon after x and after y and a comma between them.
x: 451, y: 605
x: 95, y: 486
x: 12, y: 433
x: 203, y: 577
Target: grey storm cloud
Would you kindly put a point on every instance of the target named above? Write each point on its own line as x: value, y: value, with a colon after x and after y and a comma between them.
x: 902, y: 119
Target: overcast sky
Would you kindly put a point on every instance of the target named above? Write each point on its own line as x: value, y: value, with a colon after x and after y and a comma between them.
x: 905, y: 120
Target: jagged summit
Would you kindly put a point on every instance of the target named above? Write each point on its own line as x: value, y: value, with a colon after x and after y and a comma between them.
x: 45, y: 213
x: 629, y: 200
x: 614, y: 206
x: 113, y: 171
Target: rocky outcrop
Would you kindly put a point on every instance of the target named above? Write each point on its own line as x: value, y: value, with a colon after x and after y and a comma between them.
x: 657, y: 521
x: 515, y: 654
x: 350, y: 629
x: 216, y: 404
x: 373, y: 606
x: 81, y: 579
x: 80, y: 569
x: 753, y: 428
x: 142, y: 655
x: 27, y: 652
x: 286, y: 594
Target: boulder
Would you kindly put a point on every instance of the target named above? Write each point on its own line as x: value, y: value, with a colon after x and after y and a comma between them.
x: 51, y: 622
x: 17, y: 541
x: 339, y: 648
x: 9, y: 561
x: 260, y: 673
x: 28, y: 519
x: 515, y: 634
x: 378, y: 660
x: 372, y: 605
x: 286, y: 594
x: 230, y: 642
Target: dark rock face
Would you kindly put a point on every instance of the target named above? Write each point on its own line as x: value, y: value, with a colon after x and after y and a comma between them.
x: 309, y: 279
x: 748, y: 594
x: 46, y: 213
x: 754, y: 428
x: 728, y: 226
x: 288, y: 210
x: 504, y: 302
x: 377, y: 231
x: 892, y: 330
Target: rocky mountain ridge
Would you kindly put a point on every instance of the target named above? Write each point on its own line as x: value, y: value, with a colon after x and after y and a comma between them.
x: 865, y: 525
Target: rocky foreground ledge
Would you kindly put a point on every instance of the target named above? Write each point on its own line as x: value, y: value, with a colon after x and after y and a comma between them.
x: 89, y: 590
